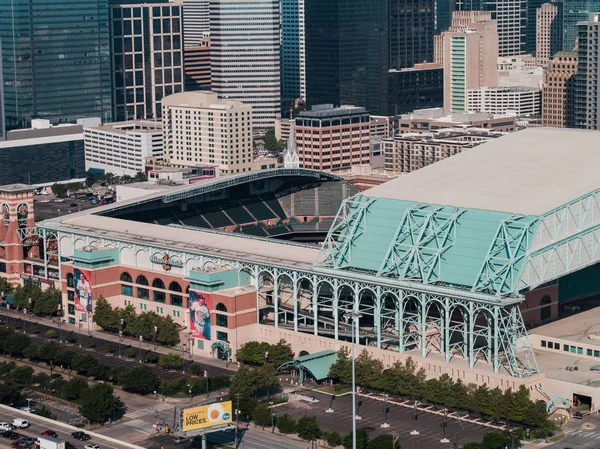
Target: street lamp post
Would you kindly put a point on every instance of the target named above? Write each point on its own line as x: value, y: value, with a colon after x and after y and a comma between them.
x: 154, y: 334
x: 272, y: 418
x: 355, y: 316
x: 79, y: 325
x: 183, y: 358
x: 141, y: 338
x: 59, y: 313
x: 120, y: 335
x: 190, y: 391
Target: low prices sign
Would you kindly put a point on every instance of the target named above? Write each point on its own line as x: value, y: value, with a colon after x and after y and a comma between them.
x: 206, y: 416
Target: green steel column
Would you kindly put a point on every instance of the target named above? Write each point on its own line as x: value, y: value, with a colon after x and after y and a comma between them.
x: 377, y: 317
x: 471, y: 349
x: 446, y: 329
x: 276, y: 295
x: 423, y: 324
x: 295, y: 294
x: 315, y: 306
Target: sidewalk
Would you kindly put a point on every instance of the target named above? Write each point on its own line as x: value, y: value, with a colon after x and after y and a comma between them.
x: 114, y: 338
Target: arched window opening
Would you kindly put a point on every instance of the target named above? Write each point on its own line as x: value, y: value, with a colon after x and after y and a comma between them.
x: 141, y: 280
x: 158, y: 283
x: 221, y: 307
x: 546, y: 308
x: 175, y: 287
x: 126, y: 277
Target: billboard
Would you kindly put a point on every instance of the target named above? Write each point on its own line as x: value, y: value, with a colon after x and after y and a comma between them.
x: 206, y: 416
x: 83, y: 290
x: 200, y: 315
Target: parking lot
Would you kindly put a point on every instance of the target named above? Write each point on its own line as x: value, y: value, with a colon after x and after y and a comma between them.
x: 49, y: 206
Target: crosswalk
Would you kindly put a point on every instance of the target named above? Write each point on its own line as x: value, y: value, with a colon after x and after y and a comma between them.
x: 573, y: 431
x: 149, y: 410
x: 141, y: 426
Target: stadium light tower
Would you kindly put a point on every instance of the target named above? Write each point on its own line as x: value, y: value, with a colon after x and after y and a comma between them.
x: 355, y: 317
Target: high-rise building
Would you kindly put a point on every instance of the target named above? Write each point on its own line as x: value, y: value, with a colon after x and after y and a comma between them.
x: 333, y: 138
x: 531, y: 26
x: 549, y: 27
x: 587, y: 95
x: 56, y: 60
x: 470, y: 62
x: 511, y: 17
x: 2, y: 122
x: 199, y: 128
x: 470, y: 5
x: 443, y: 14
x: 244, y: 51
x: 576, y: 11
x: 147, y: 50
x: 347, y: 56
x: 197, y: 65
x: 558, y: 92
x: 522, y: 101
x: 196, y: 21
x: 412, y: 27
x: 122, y: 147
x: 418, y: 87
x: 293, y: 53
x: 460, y: 20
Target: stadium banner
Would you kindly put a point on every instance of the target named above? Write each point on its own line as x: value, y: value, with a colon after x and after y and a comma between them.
x: 83, y: 290
x: 200, y: 315
x: 205, y: 416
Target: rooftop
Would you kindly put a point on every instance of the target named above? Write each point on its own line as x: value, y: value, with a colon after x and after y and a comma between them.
x: 200, y: 99
x: 583, y: 327
x: 132, y: 126
x: 333, y: 112
x: 12, y: 188
x: 517, y: 173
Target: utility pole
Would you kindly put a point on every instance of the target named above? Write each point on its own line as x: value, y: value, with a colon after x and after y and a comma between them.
x: 237, y: 420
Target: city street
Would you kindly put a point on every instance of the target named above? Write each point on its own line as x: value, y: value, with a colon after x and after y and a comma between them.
x: 579, y: 433
x: 400, y: 419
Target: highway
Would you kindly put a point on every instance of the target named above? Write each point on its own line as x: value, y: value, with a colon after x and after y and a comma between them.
x: 38, y: 426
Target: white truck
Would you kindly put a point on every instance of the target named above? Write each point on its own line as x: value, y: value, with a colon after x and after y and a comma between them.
x: 51, y: 443
x: 19, y: 423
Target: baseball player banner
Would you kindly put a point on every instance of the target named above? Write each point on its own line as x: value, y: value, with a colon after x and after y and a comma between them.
x: 83, y: 290
x: 200, y: 315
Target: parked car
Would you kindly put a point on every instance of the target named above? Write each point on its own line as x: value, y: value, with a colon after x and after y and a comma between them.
x: 81, y: 436
x: 10, y: 435
x: 5, y: 427
x: 70, y: 445
x: 92, y: 446
x: 20, y: 423
x: 179, y: 440
x: 23, y: 443
x: 49, y: 433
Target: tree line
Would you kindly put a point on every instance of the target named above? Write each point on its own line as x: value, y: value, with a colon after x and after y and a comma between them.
x: 109, y: 319
x: 260, y: 353
x: 43, y: 302
x: 403, y: 379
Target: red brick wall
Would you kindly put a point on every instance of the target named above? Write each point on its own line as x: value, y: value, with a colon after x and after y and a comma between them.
x: 531, y: 307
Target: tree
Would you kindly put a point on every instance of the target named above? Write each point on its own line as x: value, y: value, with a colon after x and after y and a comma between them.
x: 98, y: 403
x: 29, y: 289
x: 341, y: 370
x: 139, y: 379
x: 308, y: 428
x: 47, y: 302
x: 85, y: 364
x: 45, y: 412
x: 519, y: 405
x: 22, y: 375
x: 545, y: 429
x: 15, y: 344
x: 5, y: 287
x: 362, y: 440
x: 286, y: 424
x: 41, y: 379
x: 170, y: 360
x: 253, y: 352
x: 60, y: 190
x: 474, y: 445
x: 32, y: 353
x: 262, y: 415
x: 334, y: 439
x: 271, y: 142
x: 141, y: 177
x: 51, y: 333
x: 75, y: 388
x: 495, y: 440
x: 104, y: 315
x: 280, y: 353
x: 49, y: 351
x: 383, y: 442
x: 129, y: 352
x: 9, y: 393
x: 537, y: 414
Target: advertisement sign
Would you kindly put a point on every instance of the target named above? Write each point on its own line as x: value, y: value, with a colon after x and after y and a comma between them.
x: 205, y: 416
x: 83, y: 290
x: 200, y: 315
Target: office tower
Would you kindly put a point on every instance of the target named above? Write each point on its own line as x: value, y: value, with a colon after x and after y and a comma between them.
x: 56, y: 60
x: 146, y: 46
x: 511, y: 17
x: 412, y: 27
x: 470, y: 62
x: 199, y: 128
x: 531, y: 26
x: 549, y: 28
x: 470, y: 5
x: 196, y: 22
x: 460, y: 20
x: 2, y: 123
x: 244, y: 52
x: 586, y: 80
x: 418, y: 87
x: 293, y: 54
x: 558, y: 92
x: 443, y: 14
x: 347, y: 55
x: 333, y: 138
x: 197, y: 65
x: 576, y: 11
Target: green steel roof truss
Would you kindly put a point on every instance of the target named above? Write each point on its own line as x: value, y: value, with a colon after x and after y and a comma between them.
x: 425, y: 233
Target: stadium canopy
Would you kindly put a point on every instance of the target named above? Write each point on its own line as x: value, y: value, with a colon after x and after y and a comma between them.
x: 499, y: 219
x: 315, y: 365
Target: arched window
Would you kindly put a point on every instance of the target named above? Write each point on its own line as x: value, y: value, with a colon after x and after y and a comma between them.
x: 187, y: 290
x: 546, y: 308
x: 221, y: 320
x: 158, y: 283
x: 70, y: 281
x: 126, y: 277
x: 221, y: 307
x: 141, y: 280
x: 175, y: 287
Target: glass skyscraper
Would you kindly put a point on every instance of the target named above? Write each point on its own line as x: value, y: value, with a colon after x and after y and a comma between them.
x: 55, y: 59
x: 293, y: 66
x: 576, y: 11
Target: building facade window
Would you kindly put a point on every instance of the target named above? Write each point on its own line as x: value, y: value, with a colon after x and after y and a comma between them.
x: 71, y: 295
x: 158, y: 283
x: 71, y: 309
x: 141, y: 280
x: 126, y: 290
x: 70, y: 281
x: 159, y: 297
x: 221, y: 336
x: 143, y: 293
x: 221, y: 320
x: 126, y: 277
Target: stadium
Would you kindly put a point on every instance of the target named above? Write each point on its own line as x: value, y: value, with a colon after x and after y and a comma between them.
x: 449, y: 265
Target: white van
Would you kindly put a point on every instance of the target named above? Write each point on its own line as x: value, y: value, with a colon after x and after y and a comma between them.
x: 5, y: 427
x: 19, y: 423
